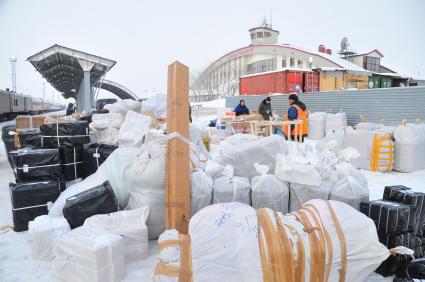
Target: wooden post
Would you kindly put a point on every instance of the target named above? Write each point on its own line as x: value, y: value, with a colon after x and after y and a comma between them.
x: 177, y: 180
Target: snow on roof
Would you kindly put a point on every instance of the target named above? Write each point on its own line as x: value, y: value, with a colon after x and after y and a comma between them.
x: 400, y: 71
x: 279, y: 70
x: 364, y: 54
x: 391, y: 74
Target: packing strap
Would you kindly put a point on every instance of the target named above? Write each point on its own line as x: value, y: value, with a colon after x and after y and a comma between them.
x: 184, y: 271
x: 48, y: 205
x: 376, y: 159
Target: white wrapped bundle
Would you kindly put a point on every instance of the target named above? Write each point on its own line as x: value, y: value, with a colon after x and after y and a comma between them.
x: 156, y: 103
x: 225, y: 239
x: 89, y: 254
x: 335, y: 122
x: 316, y: 125
x: 43, y: 230
x: 268, y: 191
x: 301, y: 193
x: 105, y: 128
x: 230, y: 188
x: 131, y: 225
x: 123, y: 106
x: 409, y: 153
x: 201, y: 189
x: 133, y: 129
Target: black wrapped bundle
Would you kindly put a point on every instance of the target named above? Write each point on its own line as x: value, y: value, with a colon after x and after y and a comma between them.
x: 408, y: 240
x: 31, y: 138
x: 394, y: 264
x: 97, y: 200
x: 72, y: 162
x: 416, y: 269
x: 90, y: 115
x: 36, y: 164
x: 95, y: 155
x: 31, y: 199
x: 8, y: 140
x: 405, y: 195
x: 65, y: 134
x: 389, y: 217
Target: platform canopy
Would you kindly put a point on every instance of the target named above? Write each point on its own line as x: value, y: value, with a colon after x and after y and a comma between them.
x: 61, y: 67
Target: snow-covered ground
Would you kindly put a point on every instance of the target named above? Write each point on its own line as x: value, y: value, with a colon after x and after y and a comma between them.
x: 219, y: 103
x: 16, y: 263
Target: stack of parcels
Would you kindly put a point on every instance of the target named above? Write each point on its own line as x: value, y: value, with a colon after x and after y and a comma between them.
x: 89, y: 254
x: 24, y: 123
x: 69, y: 137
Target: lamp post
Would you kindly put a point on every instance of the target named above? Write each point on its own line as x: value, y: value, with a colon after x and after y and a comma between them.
x: 310, y: 64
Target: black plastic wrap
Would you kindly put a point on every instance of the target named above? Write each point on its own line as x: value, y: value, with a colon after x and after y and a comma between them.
x: 65, y: 134
x: 408, y: 240
x: 8, y: 140
x: 405, y: 195
x: 389, y: 217
x: 416, y: 269
x: 394, y: 264
x: 30, y: 199
x: 95, y: 155
x: 72, y: 162
x: 31, y: 138
x: 98, y: 200
x: 36, y: 164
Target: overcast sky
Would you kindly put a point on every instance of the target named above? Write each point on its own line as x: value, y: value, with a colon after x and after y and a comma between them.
x: 145, y: 36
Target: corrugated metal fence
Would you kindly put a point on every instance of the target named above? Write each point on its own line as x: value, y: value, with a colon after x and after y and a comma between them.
x: 390, y: 104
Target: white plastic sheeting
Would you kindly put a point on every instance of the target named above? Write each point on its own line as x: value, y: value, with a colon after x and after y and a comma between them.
x: 201, y: 189
x: 156, y: 103
x: 362, y: 141
x: 89, y: 254
x: 130, y: 225
x: 224, y: 243
x: 42, y: 231
x: 242, y: 156
x: 230, y: 188
x: 301, y: 193
x: 133, y: 129
x: 104, y: 128
x: 268, y: 191
x: 335, y: 122
x: 316, y: 125
x: 123, y: 106
x: 145, y: 178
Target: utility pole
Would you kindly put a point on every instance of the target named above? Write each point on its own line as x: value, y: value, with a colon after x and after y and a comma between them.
x: 13, y: 63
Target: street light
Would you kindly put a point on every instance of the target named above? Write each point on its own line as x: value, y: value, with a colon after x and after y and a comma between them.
x: 310, y: 62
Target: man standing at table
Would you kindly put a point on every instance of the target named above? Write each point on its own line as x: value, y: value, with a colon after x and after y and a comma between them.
x: 265, y: 109
x: 297, y: 111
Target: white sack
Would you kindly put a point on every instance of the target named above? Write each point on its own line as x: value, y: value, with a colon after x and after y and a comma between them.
x: 89, y: 255
x: 130, y: 225
x: 409, y: 157
x: 335, y: 122
x: 336, y: 137
x: 229, y: 188
x: 350, y: 191
x: 295, y: 169
x: 225, y: 247
x: 133, y: 129
x: 214, y: 169
x: 42, y: 231
x: 410, y: 134
x: 201, y: 189
x: 316, y: 125
x: 268, y: 191
x: 301, y: 193
x: 264, y: 151
x: 362, y: 141
x: 113, y: 169
x: 156, y: 103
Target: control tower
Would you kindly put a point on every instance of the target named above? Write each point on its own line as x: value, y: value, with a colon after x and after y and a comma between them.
x: 264, y: 34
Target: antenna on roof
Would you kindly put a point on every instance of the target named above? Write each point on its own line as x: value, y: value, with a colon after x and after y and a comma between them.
x: 271, y: 18
x: 345, y: 52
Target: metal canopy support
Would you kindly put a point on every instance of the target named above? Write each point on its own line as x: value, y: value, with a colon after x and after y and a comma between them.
x: 85, y: 95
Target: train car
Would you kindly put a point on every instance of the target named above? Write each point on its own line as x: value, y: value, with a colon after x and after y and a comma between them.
x: 13, y: 104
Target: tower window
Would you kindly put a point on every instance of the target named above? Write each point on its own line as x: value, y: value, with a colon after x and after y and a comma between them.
x: 259, y: 35
x: 253, y: 35
x: 267, y: 34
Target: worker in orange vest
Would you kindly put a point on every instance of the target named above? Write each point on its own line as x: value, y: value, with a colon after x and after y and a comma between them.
x: 297, y: 110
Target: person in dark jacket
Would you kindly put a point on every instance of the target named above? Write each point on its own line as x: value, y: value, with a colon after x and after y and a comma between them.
x: 265, y: 108
x: 70, y: 109
x: 241, y: 109
x: 297, y: 111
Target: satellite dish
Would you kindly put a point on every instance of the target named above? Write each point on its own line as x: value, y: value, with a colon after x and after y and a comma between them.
x: 344, y: 44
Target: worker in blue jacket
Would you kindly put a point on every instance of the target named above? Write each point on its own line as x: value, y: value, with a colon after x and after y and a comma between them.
x: 241, y: 109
